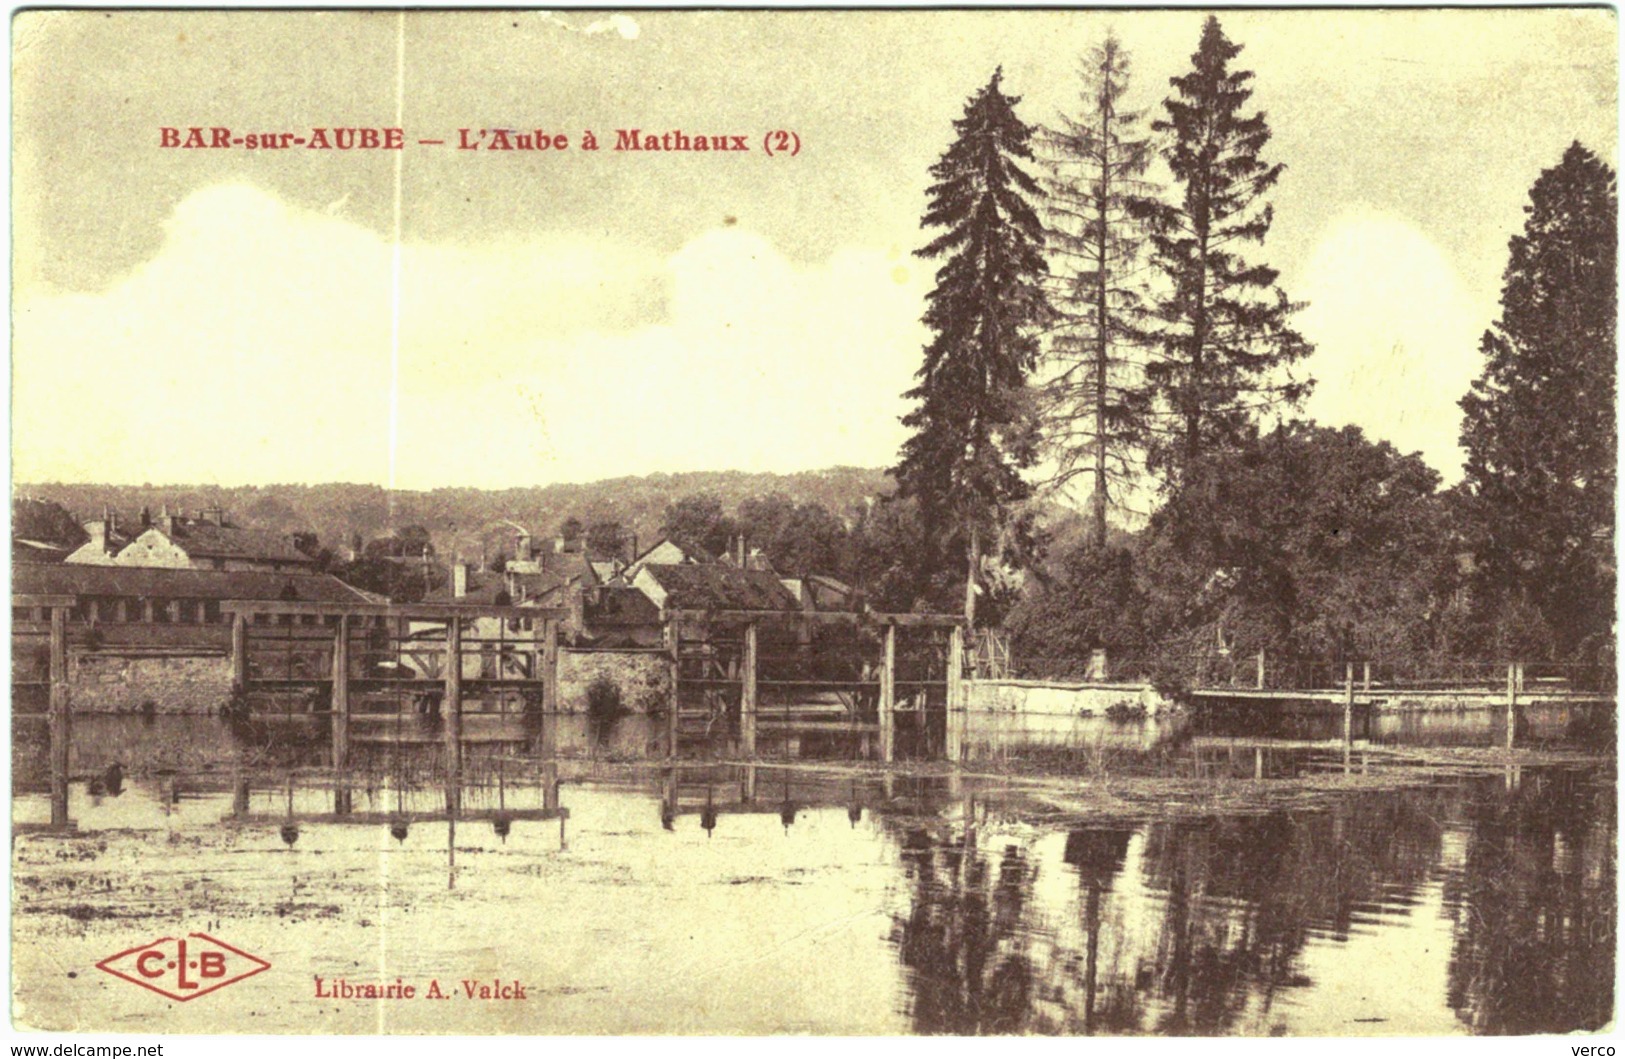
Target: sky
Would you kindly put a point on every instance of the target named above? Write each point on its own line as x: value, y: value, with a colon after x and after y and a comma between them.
x: 434, y: 317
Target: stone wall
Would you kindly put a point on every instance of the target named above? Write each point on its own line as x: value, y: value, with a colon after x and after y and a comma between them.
x: 644, y: 678
x: 112, y: 681
x: 1054, y: 699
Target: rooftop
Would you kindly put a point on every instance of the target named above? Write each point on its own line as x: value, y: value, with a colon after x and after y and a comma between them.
x: 159, y: 582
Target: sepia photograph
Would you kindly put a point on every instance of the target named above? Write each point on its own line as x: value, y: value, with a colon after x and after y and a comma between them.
x: 841, y: 523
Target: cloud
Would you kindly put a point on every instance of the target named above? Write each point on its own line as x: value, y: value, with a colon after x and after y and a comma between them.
x: 1396, y: 335
x: 258, y: 345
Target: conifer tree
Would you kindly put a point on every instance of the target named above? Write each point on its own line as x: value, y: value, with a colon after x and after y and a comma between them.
x: 973, y: 432
x: 1225, y: 337
x: 1539, y: 426
x: 1094, y: 399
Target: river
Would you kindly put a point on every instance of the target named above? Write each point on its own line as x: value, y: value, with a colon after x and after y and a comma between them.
x: 1182, y: 881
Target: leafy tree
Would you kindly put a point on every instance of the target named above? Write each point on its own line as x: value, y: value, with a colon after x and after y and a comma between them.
x: 400, y: 581
x: 896, y: 562
x: 571, y: 530
x: 1539, y: 426
x: 605, y: 538
x: 409, y: 542
x: 763, y: 518
x: 812, y: 541
x: 1095, y: 402
x: 1313, y: 542
x: 1091, y: 599
x: 972, y: 426
x: 1225, y: 340
x: 45, y: 520
x: 696, y: 524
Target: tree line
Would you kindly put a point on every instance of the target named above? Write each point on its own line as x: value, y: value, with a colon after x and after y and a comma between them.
x: 1103, y: 313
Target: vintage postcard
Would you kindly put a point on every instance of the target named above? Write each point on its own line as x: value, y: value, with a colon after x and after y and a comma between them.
x: 866, y: 522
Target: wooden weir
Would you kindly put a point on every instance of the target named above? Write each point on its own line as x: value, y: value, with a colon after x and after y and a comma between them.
x: 740, y: 676
x: 737, y: 678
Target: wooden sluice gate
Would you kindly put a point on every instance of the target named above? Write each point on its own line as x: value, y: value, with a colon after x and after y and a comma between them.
x: 742, y: 678
x: 398, y: 673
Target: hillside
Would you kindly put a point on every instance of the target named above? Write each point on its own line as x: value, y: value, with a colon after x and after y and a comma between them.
x: 461, y: 519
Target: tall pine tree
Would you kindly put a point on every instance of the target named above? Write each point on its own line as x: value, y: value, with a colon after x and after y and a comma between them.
x: 1226, y: 342
x: 1094, y: 401
x: 1539, y: 426
x: 973, y: 429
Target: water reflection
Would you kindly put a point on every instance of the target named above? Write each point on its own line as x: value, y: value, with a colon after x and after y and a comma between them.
x: 1212, y: 926
x: 1396, y: 901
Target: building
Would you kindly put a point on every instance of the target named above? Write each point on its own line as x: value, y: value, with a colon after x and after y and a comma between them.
x: 712, y: 586
x: 106, y: 541
x: 209, y: 542
x: 112, y: 597
x: 819, y: 593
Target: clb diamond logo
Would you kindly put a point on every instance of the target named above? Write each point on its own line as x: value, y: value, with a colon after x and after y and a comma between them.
x: 184, y: 968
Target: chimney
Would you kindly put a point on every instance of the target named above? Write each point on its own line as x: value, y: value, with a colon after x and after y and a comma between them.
x: 459, y: 580
x: 633, y: 537
x: 166, y: 521
x: 214, y: 515
x: 146, y: 517
x: 558, y: 545
x: 523, y: 546
x: 742, y: 555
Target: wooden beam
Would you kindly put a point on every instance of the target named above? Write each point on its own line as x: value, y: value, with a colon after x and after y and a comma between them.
x: 341, y: 693
x: 452, y: 713
x: 818, y: 617
x: 747, y: 695
x: 239, y: 652
x: 30, y: 599
x: 671, y: 708
x: 957, y: 720
x: 61, y: 717
x: 1348, y: 705
x: 1512, y: 703
x: 406, y: 611
x: 888, y: 696
x: 375, y: 818
x: 550, y: 665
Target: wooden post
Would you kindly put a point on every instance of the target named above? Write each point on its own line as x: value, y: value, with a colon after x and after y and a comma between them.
x: 747, y: 695
x: 550, y: 667
x: 955, y: 743
x: 61, y: 717
x: 1348, y: 705
x: 1258, y: 762
x: 1365, y: 681
x: 239, y: 651
x: 888, y: 697
x: 1512, y: 703
x: 550, y: 786
x: 239, y: 795
x: 341, y: 693
x: 1261, y: 669
x: 452, y: 714
x: 671, y: 709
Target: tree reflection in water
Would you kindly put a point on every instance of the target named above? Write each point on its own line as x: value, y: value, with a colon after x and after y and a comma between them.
x: 1534, y: 907
x: 964, y: 941
x: 1200, y: 926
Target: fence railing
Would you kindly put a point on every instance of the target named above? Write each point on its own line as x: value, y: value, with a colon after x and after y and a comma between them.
x: 1275, y: 673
